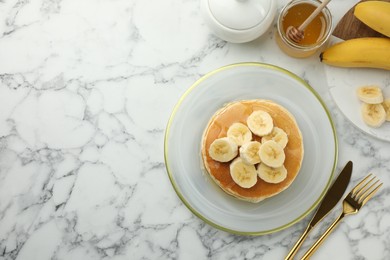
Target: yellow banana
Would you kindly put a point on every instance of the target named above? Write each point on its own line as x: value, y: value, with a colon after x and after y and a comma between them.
x: 375, y: 14
x: 369, y: 52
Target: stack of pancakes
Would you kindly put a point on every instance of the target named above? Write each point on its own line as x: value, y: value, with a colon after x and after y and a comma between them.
x: 239, y: 111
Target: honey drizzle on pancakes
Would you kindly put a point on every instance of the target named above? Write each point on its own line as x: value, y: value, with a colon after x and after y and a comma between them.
x: 238, y: 112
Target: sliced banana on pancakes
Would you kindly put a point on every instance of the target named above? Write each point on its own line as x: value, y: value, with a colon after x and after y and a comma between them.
x: 223, y: 149
x: 373, y: 114
x: 278, y: 135
x: 249, y: 152
x: 263, y: 159
x: 272, y: 154
x: 239, y: 133
x: 271, y: 175
x: 245, y: 175
x: 260, y: 123
x: 370, y: 94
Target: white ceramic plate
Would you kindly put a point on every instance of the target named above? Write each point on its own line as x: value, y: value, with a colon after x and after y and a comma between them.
x: 343, y: 83
x: 183, y: 144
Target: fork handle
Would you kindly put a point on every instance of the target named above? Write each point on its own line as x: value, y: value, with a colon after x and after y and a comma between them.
x: 298, y: 244
x: 314, y: 247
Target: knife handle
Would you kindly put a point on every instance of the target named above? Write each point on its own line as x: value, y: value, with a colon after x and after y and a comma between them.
x: 314, y: 247
x: 298, y: 244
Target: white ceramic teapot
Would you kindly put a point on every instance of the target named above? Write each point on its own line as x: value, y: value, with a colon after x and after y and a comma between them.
x: 239, y: 21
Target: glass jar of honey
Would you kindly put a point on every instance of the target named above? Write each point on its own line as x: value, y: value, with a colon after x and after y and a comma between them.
x: 315, y: 34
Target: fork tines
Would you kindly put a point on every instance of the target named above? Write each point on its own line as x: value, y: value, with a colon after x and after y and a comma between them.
x: 363, y: 191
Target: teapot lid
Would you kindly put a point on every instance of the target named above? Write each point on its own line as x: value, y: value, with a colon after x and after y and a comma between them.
x: 239, y: 14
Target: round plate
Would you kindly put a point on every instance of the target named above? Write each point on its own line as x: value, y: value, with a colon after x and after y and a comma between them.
x: 183, y: 148
x: 343, y: 85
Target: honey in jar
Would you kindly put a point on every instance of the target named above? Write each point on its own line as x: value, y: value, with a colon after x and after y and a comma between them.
x: 315, y: 34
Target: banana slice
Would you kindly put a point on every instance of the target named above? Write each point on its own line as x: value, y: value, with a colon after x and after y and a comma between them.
x: 245, y: 175
x: 373, y: 114
x: 386, y: 106
x: 272, y: 154
x: 249, y: 152
x: 370, y: 94
x: 223, y: 149
x: 271, y: 175
x: 240, y: 133
x: 260, y: 123
x: 278, y: 135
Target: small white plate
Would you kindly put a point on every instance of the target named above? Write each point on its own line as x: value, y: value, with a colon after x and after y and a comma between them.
x: 183, y: 145
x: 343, y: 83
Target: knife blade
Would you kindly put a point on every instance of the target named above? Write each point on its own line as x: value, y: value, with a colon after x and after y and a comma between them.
x: 332, y: 196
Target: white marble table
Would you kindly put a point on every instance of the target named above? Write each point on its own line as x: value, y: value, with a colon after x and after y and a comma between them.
x: 86, y: 89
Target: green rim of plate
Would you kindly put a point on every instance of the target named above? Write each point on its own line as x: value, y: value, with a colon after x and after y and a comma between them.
x: 175, y: 186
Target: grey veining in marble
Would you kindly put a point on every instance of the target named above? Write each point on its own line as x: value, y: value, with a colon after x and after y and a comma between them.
x: 86, y: 90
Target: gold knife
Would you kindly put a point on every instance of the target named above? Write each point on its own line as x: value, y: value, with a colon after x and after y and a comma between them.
x: 332, y: 196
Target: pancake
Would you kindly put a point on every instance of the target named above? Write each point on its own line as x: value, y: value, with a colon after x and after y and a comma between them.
x: 239, y: 111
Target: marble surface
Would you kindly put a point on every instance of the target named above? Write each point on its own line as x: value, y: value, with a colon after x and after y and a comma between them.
x: 86, y: 90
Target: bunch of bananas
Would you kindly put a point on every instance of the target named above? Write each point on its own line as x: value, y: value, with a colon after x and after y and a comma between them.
x: 369, y: 52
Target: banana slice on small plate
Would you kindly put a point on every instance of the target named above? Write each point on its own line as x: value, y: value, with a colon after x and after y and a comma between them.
x: 386, y: 106
x: 373, y: 114
x: 370, y: 94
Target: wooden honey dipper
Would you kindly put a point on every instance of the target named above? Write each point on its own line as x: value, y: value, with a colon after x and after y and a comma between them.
x: 297, y: 34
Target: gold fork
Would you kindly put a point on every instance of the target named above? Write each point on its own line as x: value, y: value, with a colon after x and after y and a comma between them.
x: 352, y: 203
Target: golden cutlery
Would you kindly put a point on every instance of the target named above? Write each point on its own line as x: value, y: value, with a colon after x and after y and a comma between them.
x: 352, y: 203
x: 331, y: 198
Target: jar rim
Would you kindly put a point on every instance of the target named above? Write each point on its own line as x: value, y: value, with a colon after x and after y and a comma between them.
x: 324, y: 38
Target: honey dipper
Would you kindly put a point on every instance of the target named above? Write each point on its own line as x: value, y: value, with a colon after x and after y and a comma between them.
x: 297, y: 34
